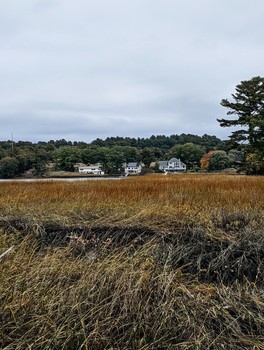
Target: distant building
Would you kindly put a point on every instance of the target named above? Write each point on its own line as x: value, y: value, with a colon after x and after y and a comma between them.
x: 133, y: 168
x: 95, y: 169
x: 77, y: 166
x: 171, y: 166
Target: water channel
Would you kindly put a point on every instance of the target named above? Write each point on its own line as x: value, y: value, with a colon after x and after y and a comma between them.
x: 69, y: 179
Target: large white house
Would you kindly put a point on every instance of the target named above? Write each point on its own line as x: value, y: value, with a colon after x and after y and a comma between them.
x: 171, y: 166
x: 133, y: 168
x: 95, y: 169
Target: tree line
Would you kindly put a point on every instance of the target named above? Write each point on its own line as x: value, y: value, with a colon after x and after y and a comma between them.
x: 16, y: 158
x: 244, y: 149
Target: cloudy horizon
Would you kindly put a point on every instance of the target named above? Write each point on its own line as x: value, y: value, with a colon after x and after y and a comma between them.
x: 94, y: 69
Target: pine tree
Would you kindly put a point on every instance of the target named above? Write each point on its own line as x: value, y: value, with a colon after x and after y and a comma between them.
x: 248, y: 107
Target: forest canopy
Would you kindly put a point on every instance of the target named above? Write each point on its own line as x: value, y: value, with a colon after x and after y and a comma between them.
x: 16, y: 158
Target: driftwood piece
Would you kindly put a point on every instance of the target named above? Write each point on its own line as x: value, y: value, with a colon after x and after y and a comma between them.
x: 6, y: 252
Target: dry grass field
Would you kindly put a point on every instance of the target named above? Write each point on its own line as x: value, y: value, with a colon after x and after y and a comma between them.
x: 155, y: 262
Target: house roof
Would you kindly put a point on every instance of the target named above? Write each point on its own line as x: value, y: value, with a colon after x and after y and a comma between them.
x: 79, y: 165
x: 97, y: 165
x: 163, y: 162
x: 135, y: 164
x: 174, y: 160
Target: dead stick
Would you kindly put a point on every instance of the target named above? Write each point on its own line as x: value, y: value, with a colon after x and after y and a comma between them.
x: 6, y: 252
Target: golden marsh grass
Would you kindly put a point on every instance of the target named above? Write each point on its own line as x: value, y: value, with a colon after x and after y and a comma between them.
x: 157, y: 262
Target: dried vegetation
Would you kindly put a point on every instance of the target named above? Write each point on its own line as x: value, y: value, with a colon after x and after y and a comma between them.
x: 158, y: 262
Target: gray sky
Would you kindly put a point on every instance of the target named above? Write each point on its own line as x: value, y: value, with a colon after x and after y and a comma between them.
x: 95, y: 68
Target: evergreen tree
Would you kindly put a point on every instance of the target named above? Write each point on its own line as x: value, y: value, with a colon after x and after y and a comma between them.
x: 8, y: 167
x: 248, y: 108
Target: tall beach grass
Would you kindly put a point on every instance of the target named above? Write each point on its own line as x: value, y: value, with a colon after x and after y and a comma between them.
x: 157, y: 262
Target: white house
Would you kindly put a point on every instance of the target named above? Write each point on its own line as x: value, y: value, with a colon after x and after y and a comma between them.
x: 77, y: 166
x: 95, y: 169
x: 133, y: 168
x: 171, y: 166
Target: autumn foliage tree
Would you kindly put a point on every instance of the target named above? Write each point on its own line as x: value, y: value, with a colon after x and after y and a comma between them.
x: 215, y: 160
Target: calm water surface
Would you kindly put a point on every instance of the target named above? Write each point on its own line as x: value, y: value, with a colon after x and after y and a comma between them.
x: 70, y: 179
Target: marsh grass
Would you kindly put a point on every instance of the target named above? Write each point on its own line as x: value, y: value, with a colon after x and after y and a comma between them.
x: 157, y: 262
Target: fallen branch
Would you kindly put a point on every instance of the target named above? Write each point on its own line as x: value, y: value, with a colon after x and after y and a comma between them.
x: 6, y: 252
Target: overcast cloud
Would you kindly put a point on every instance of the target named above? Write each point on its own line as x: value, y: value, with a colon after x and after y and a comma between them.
x: 95, y: 68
